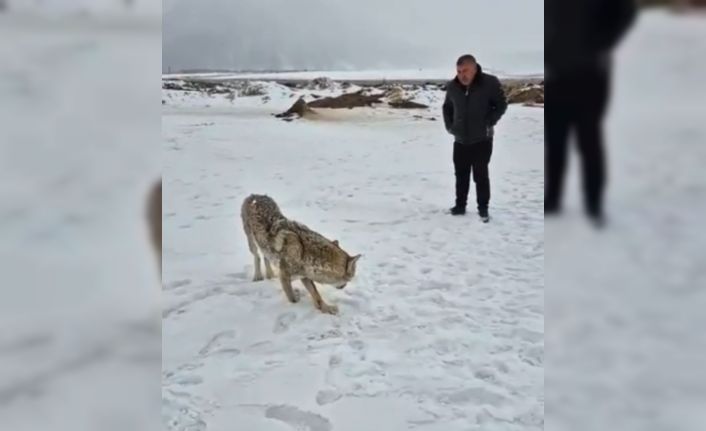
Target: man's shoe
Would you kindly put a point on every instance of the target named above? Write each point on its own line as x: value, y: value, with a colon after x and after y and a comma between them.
x: 597, y: 219
x: 551, y: 210
x: 483, y: 213
x: 457, y: 210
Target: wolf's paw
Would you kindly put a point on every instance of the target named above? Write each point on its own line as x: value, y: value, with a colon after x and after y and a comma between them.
x: 257, y: 277
x: 329, y: 309
x: 296, y: 296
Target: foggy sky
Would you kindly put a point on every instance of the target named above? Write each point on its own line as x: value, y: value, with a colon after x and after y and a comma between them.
x: 506, y: 35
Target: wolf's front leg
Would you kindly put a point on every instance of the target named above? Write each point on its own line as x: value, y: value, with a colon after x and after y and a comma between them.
x: 286, y: 281
x: 318, y: 300
x: 268, y: 270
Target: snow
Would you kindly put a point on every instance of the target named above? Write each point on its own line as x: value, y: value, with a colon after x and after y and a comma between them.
x: 441, y: 330
x: 79, y: 344
x: 356, y: 75
x: 625, y: 309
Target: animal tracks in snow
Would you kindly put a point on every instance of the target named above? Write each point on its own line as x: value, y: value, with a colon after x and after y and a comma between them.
x: 283, y: 321
x: 327, y: 397
x: 216, y: 345
x: 445, y: 314
x: 299, y: 420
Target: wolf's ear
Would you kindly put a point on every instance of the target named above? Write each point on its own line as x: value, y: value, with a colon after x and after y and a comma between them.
x: 350, y: 269
x: 335, y: 242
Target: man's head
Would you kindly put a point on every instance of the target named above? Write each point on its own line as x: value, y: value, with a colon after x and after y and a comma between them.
x: 466, y: 69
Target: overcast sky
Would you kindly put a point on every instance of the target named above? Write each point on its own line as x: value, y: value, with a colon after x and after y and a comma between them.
x: 505, y: 35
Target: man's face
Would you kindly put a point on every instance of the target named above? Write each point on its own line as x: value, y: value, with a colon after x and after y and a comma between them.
x: 466, y: 72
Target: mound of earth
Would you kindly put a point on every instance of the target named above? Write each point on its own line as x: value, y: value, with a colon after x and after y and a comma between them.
x: 526, y: 94
x: 195, y: 85
x: 394, y: 94
x: 397, y: 98
x: 347, y: 100
x: 300, y: 108
x: 407, y: 104
x: 321, y: 83
x: 239, y: 88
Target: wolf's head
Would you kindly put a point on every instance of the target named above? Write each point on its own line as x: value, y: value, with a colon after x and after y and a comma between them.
x: 350, y: 270
x: 342, y: 266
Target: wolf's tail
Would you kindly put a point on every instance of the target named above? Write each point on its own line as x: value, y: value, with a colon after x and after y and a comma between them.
x: 246, y: 215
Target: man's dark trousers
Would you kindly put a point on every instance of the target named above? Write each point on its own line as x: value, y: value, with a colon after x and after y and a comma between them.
x: 472, y: 158
x: 577, y: 104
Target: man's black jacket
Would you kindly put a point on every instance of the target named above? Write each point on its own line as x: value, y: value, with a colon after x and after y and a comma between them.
x: 471, y: 112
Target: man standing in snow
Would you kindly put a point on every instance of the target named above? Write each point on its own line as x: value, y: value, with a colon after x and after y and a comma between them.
x: 474, y: 104
x: 579, y: 38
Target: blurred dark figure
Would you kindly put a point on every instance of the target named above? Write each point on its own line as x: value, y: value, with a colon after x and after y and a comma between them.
x: 154, y: 219
x: 579, y: 36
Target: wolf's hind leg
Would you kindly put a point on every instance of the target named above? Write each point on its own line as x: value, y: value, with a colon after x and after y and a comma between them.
x: 318, y: 300
x: 286, y: 281
x: 258, y: 270
x: 268, y: 269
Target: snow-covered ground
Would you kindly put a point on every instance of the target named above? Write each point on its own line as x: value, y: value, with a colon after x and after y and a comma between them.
x: 79, y: 304
x: 443, y: 328
x: 626, y: 345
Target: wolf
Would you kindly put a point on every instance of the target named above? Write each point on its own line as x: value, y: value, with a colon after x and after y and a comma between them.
x: 297, y: 251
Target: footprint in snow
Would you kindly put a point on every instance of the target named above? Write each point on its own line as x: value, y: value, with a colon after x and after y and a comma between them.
x: 533, y: 355
x: 299, y: 420
x: 215, y: 343
x: 473, y: 396
x: 178, y: 283
x: 334, y: 361
x: 436, y: 285
x: 190, y: 366
x: 189, y: 380
x: 502, y: 367
x: 283, y: 321
x: 240, y: 276
x: 327, y: 397
x: 357, y: 344
x: 486, y: 375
